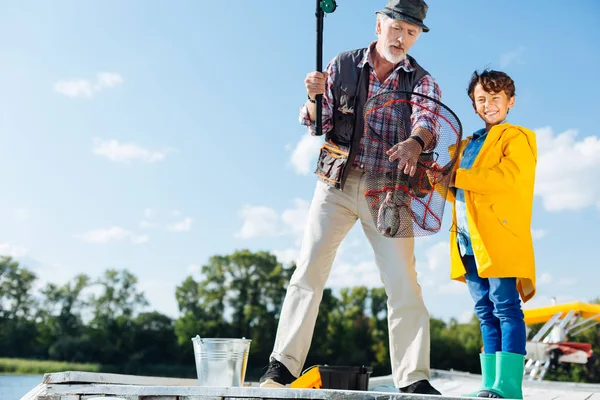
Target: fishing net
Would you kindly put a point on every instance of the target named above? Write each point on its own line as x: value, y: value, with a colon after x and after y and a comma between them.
x: 403, y: 205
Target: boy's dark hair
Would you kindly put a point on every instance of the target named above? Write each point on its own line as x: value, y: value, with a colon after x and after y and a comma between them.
x: 492, y: 82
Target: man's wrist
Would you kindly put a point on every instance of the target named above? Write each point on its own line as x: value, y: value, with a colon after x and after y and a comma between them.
x: 418, y: 140
x: 310, y: 99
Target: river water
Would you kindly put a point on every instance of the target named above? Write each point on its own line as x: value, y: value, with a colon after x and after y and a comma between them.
x: 12, y: 387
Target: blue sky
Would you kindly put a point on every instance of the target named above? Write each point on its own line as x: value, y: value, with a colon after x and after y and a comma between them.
x: 150, y: 135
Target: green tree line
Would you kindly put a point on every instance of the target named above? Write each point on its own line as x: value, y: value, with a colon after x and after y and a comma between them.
x: 105, y: 320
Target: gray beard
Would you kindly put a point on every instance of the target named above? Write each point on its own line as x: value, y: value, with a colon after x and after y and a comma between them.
x: 394, y: 59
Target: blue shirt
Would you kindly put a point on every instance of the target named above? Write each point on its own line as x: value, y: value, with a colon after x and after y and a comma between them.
x: 469, y: 155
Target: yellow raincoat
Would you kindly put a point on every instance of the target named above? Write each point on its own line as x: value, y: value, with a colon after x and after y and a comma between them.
x: 499, y: 200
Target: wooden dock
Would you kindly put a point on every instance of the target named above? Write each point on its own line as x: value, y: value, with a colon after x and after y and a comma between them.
x: 93, y: 386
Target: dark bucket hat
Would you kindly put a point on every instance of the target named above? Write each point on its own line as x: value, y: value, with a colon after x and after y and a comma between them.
x: 413, y: 11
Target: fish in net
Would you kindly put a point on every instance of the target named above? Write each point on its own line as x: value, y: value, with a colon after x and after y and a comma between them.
x: 402, y: 205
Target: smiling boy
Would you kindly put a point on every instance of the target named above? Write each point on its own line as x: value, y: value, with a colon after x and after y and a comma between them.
x: 491, y: 246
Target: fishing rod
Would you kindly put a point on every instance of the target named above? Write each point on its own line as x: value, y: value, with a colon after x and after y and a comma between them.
x: 323, y: 6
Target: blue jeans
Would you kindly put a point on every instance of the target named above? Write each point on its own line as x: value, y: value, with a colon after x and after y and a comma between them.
x: 498, y: 308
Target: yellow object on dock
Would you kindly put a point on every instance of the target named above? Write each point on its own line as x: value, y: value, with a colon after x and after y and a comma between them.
x: 311, y: 379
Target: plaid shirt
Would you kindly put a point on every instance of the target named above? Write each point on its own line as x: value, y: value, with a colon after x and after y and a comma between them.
x: 369, y: 156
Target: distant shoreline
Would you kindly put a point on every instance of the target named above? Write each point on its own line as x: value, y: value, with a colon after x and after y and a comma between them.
x: 21, y: 366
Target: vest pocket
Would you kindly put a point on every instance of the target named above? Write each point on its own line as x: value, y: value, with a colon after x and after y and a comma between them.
x: 343, y: 126
x: 331, y: 163
x: 346, y: 98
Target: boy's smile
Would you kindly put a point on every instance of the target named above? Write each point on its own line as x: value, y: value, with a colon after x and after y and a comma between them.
x: 491, y: 107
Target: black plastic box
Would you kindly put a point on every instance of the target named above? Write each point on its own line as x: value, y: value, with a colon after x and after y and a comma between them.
x: 345, y: 378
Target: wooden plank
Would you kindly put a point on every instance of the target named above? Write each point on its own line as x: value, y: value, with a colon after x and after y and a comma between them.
x: 204, y: 393
x: 575, y: 396
x: 89, y: 392
x: 451, y: 384
x: 538, y: 396
x: 35, y: 393
x: 562, y: 386
x: 96, y: 397
x: 93, y: 377
x: 199, y: 398
x: 155, y: 398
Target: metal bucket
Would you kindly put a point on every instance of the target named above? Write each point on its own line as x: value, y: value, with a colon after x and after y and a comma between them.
x: 221, y: 362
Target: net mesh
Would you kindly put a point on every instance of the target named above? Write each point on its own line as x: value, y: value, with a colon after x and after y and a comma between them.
x: 403, y: 205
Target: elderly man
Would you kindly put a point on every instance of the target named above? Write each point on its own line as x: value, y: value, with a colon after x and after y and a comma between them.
x: 351, y: 78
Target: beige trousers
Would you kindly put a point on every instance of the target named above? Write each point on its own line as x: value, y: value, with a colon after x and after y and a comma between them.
x: 332, y: 214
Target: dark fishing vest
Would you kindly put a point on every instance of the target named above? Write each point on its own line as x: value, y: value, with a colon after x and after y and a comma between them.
x: 350, y: 92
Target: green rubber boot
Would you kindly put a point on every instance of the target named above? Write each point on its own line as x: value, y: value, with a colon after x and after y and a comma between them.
x: 488, y: 373
x: 509, y: 377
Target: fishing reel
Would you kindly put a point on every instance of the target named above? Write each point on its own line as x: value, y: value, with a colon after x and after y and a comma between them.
x: 328, y: 6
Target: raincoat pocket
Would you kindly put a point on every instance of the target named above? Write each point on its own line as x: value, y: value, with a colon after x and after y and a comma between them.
x: 503, y: 218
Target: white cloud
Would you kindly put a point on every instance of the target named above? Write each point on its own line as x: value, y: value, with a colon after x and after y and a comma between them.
x: 145, y: 224
x: 422, y: 241
x: 194, y: 269
x: 85, y: 88
x: 11, y: 250
x: 546, y: 301
x: 439, y: 291
x: 355, y: 246
x: 294, y: 222
x: 105, y: 235
x: 22, y: 214
x: 568, y: 171
x: 148, y: 220
x: 182, y: 226
x: 304, y: 154
x: 512, y: 57
x: 538, y: 233
x: 75, y: 88
x: 112, y: 234
x: 350, y: 243
x: 295, y: 218
x: 544, y: 279
x: 345, y: 275
x: 108, y: 80
x: 465, y: 317
x: 567, y: 282
x: 287, y: 256
x: 139, y: 239
x: 126, y: 152
x: 453, y: 287
x: 426, y: 281
x: 438, y: 256
x: 259, y: 221
x: 354, y: 264
x: 160, y: 296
